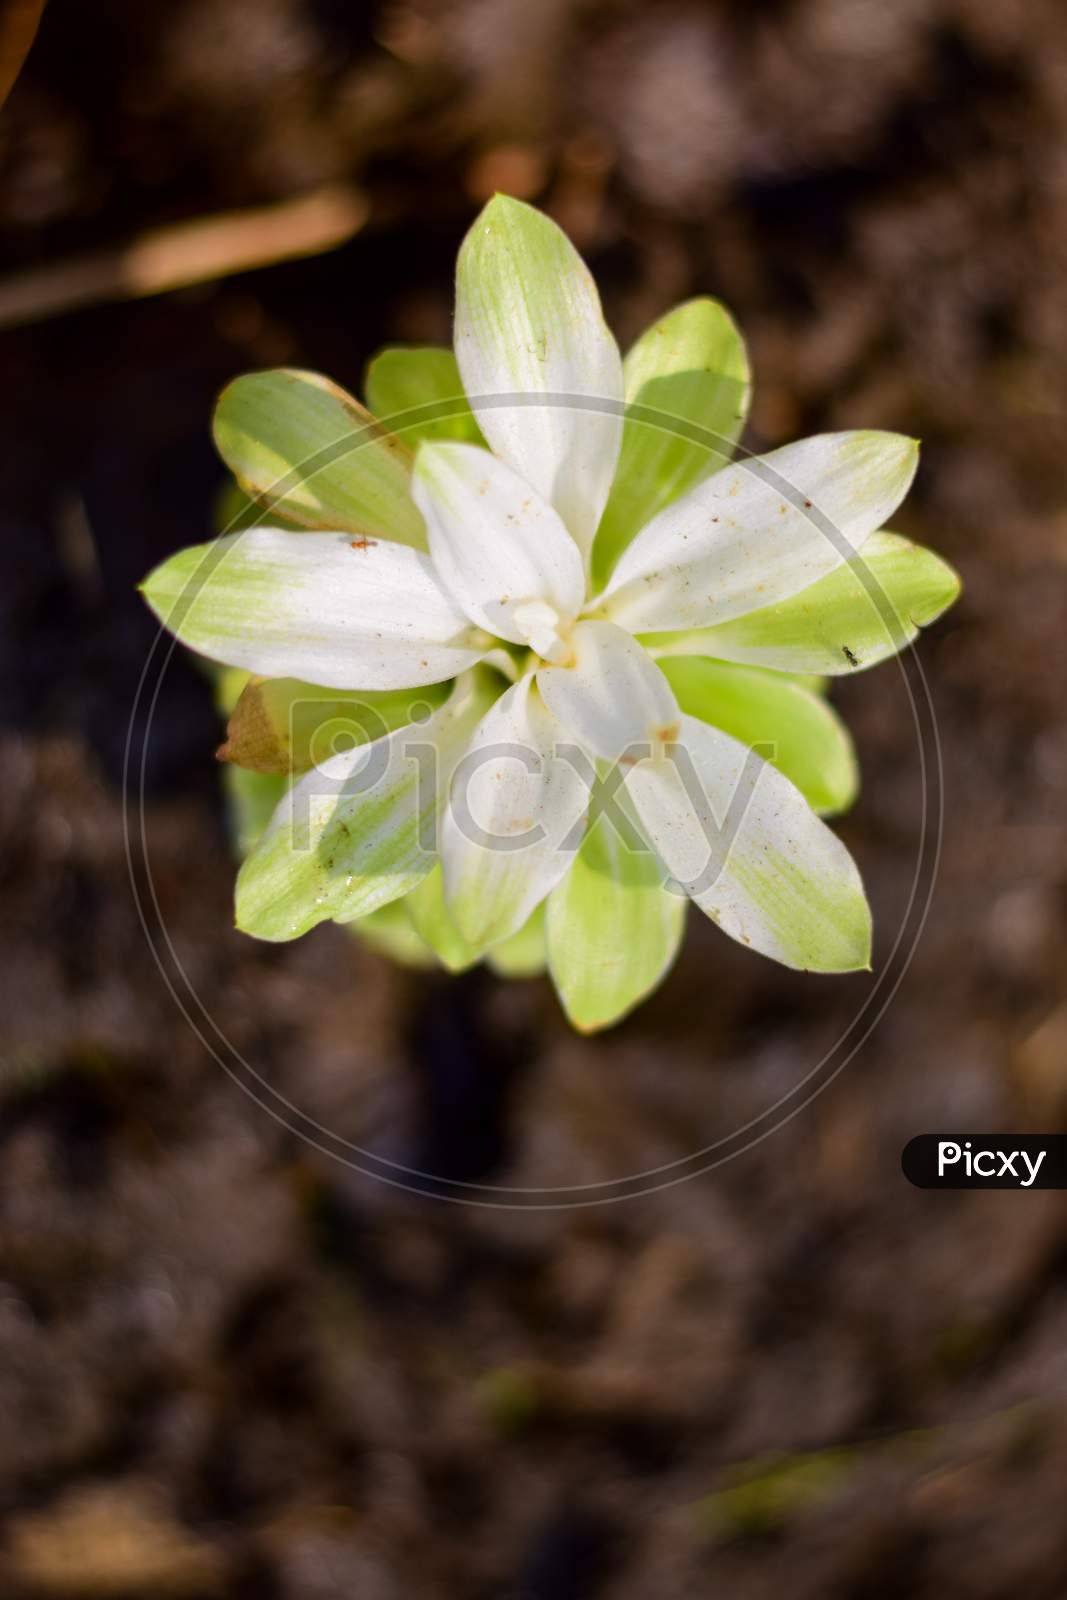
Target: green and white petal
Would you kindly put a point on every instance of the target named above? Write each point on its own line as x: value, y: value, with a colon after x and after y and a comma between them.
x: 431, y: 919
x: 687, y: 391
x: 759, y: 531
x: 747, y: 847
x: 282, y: 725
x: 529, y: 328
x: 343, y: 613
x: 513, y: 820
x: 794, y: 729
x: 522, y: 955
x: 501, y: 551
x: 613, y: 929
x: 360, y: 830
x: 612, y: 696
x: 417, y: 393
x: 855, y: 617
x: 298, y: 443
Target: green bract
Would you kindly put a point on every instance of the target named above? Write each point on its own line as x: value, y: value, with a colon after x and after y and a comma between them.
x: 521, y: 661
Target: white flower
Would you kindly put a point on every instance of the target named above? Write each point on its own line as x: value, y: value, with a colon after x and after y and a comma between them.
x: 649, y: 647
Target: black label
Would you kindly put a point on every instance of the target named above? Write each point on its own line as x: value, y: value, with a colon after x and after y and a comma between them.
x: 986, y: 1161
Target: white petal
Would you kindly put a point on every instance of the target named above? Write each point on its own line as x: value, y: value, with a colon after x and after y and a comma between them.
x: 338, y: 611
x: 750, y: 851
x: 759, y: 530
x: 529, y: 326
x: 613, y: 697
x: 496, y: 545
x: 513, y: 820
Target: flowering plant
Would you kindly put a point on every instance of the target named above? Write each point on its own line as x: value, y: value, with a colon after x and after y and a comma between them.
x: 577, y: 654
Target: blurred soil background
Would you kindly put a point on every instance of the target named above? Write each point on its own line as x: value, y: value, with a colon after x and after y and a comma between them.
x: 231, y: 1365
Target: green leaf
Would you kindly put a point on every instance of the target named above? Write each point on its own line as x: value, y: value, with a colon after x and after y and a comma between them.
x: 814, y: 682
x: 426, y: 907
x: 791, y: 727
x: 283, y: 725
x: 388, y: 932
x: 855, y: 617
x: 251, y: 797
x: 229, y: 684
x: 687, y: 391
x: 520, y: 956
x: 612, y: 929
x: 358, y: 832
x: 301, y: 445
x: 524, y: 954
x: 233, y: 511
x: 251, y: 800
x: 417, y: 393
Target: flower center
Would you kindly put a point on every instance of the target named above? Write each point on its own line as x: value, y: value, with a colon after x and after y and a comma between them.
x: 540, y: 625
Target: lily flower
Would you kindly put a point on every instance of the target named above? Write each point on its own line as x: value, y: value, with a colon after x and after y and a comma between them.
x: 576, y: 627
